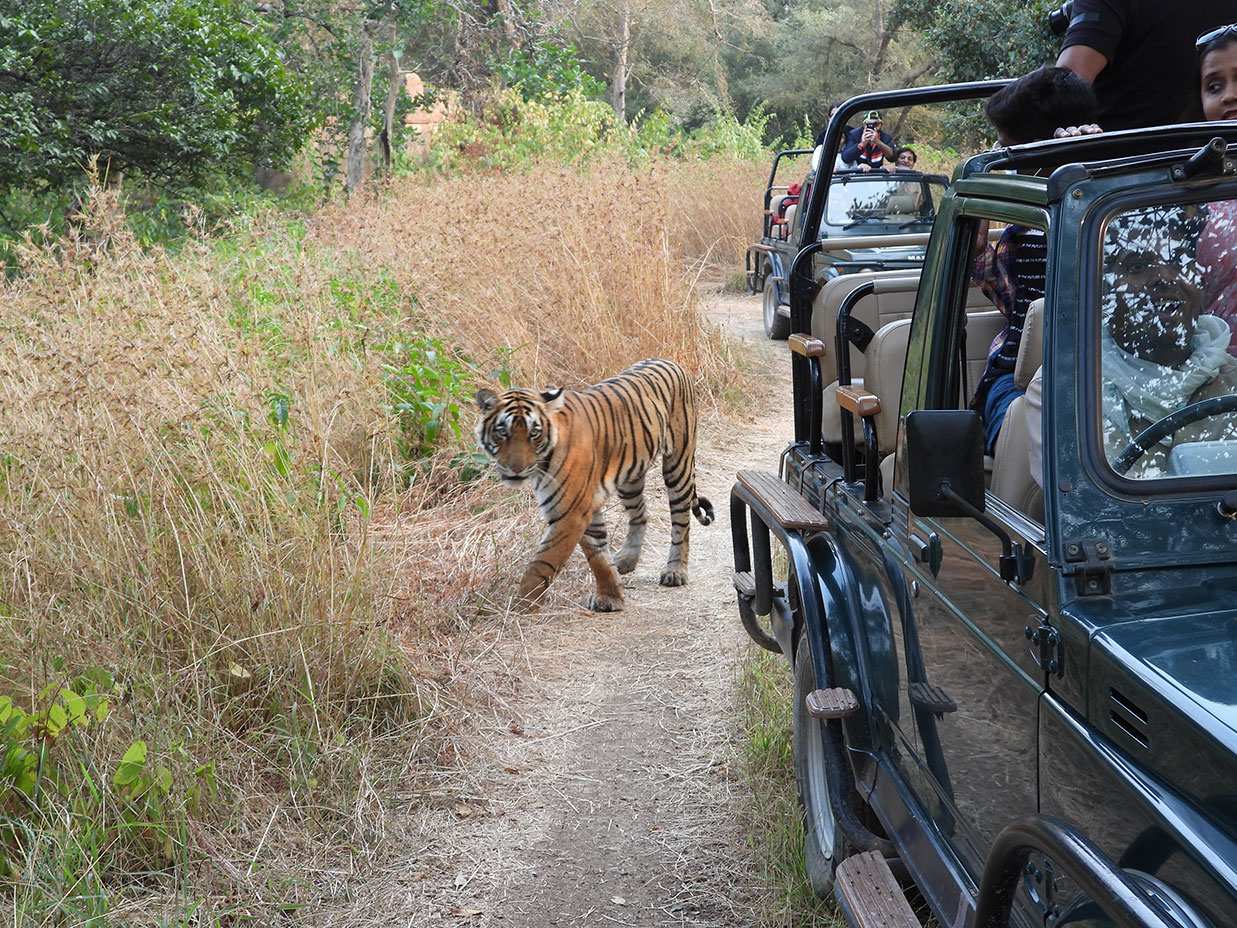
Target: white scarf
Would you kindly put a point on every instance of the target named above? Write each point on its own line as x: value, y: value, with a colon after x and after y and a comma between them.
x: 1152, y: 391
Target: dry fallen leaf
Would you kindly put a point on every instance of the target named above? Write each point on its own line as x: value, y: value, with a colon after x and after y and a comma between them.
x: 618, y: 900
x: 463, y: 810
x: 456, y: 912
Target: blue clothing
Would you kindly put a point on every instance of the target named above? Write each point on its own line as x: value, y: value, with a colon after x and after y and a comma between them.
x: 1001, y: 395
x: 852, y: 154
x: 1012, y: 275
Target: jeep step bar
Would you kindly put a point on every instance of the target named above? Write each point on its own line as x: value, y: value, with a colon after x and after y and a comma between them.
x: 869, y: 895
x: 836, y: 703
x: 774, y: 507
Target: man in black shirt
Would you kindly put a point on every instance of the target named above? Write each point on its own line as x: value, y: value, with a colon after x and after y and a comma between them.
x: 1139, y: 54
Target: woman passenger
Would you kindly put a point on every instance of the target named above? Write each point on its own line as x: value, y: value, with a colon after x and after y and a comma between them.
x: 1217, y: 246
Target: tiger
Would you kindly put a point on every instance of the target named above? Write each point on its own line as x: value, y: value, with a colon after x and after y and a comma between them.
x: 578, y: 448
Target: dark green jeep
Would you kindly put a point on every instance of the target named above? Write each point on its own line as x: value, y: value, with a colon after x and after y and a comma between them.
x: 872, y: 221
x: 1016, y: 673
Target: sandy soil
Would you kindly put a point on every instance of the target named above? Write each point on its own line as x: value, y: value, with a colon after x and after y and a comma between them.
x: 604, y: 790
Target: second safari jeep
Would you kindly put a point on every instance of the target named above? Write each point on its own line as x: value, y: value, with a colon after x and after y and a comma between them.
x: 1016, y: 674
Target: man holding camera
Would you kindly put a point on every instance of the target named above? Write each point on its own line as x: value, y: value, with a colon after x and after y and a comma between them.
x: 868, y: 148
x: 1138, y: 54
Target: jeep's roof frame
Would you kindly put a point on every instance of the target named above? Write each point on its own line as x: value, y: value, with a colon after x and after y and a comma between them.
x: 1128, y: 146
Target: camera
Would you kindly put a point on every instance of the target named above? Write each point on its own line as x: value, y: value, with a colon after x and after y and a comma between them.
x: 1058, y: 19
x: 871, y: 124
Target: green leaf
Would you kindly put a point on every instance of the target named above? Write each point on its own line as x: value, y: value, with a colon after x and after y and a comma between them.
x: 75, y: 705
x: 131, y: 766
x: 57, y: 719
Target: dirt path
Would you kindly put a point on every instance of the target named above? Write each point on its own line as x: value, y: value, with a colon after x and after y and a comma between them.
x: 606, y: 791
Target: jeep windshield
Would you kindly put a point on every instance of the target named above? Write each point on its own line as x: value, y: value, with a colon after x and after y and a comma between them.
x: 1168, y: 329
x: 878, y: 202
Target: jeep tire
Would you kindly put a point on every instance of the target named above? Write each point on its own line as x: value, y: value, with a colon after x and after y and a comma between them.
x: 824, y: 846
x: 777, y: 327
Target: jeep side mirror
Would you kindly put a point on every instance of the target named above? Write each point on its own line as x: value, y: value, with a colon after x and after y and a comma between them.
x: 945, y: 465
x: 945, y: 448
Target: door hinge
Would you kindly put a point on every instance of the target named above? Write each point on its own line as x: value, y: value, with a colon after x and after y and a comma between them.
x: 1046, y: 648
x: 1090, y: 563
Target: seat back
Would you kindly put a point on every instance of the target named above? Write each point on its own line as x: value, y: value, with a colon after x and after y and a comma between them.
x: 893, y: 299
x: 1031, y: 348
x: 886, y: 364
x: 898, y: 303
x: 982, y: 328
x: 885, y: 367
x: 1011, y: 469
x: 790, y: 215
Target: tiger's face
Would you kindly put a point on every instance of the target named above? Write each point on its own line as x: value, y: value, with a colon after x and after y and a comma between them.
x: 517, y: 429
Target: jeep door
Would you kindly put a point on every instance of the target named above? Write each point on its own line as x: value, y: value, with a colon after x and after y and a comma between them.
x: 975, y: 683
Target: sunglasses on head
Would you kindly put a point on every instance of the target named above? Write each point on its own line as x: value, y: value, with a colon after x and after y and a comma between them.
x: 1215, y: 35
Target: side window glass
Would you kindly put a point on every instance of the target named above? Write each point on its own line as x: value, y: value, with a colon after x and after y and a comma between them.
x: 1168, y: 378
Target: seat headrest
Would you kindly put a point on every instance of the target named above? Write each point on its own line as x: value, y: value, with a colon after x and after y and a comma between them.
x: 1031, y: 348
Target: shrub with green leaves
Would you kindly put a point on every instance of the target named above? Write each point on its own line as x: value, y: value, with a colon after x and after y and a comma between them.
x: 425, y: 387
x: 174, y: 89
x: 548, y: 68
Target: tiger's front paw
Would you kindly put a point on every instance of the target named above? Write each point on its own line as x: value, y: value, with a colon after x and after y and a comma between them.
x: 626, y: 561
x: 599, y: 603
x: 675, y: 577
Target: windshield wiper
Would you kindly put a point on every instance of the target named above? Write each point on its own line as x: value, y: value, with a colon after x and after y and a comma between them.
x: 914, y: 222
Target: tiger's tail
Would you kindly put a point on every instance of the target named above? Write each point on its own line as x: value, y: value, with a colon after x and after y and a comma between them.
x: 702, y: 509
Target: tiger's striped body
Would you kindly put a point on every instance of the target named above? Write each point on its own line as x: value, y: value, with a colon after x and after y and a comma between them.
x: 580, y: 447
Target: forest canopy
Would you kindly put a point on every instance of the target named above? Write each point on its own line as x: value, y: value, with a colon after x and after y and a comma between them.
x: 178, y: 91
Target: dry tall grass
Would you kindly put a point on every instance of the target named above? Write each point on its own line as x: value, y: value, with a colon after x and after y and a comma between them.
x: 571, y: 275
x: 202, y: 495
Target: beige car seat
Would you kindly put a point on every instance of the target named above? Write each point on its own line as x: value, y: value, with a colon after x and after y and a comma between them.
x: 1011, y: 473
x: 893, y: 299
x: 885, y: 363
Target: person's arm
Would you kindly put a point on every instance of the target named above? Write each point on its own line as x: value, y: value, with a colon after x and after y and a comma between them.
x: 1084, y: 61
x: 1095, y: 31
x: 885, y: 141
x: 981, y: 268
x: 850, y: 154
x: 1034, y: 400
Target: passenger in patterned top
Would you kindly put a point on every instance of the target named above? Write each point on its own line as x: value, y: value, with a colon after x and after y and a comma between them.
x: 1011, y: 272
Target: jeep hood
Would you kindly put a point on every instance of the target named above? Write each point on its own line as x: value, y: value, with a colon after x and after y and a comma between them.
x: 1164, y: 688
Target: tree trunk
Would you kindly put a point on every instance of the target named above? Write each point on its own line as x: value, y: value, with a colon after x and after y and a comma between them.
x: 388, y: 109
x: 618, y: 81
x: 355, y: 163
x: 883, y: 36
x: 719, y: 66
x: 507, y: 13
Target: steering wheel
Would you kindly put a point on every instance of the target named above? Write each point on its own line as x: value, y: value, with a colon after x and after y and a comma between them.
x: 1151, y: 436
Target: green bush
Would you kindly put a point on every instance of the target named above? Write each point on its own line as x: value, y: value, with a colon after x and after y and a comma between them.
x: 571, y: 128
x: 175, y: 89
x: 548, y: 69
x: 425, y: 390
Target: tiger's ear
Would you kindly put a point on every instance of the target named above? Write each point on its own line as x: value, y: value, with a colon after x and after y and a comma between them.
x: 486, y: 399
x: 552, y: 397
